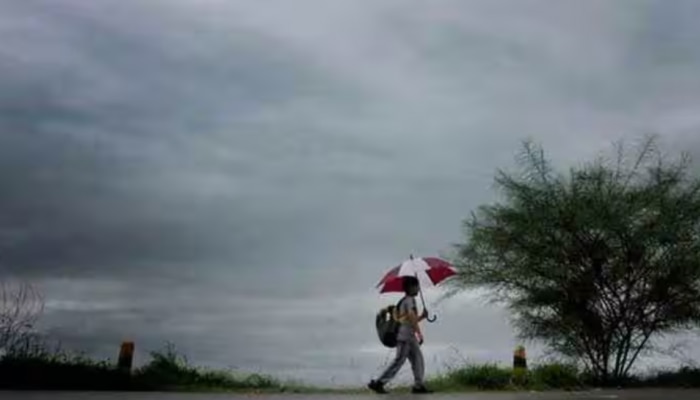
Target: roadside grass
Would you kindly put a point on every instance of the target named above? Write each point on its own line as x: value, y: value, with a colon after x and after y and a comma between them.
x: 167, y: 370
x: 170, y: 370
x: 684, y: 377
x: 472, y: 377
x: 60, y: 371
x: 552, y: 376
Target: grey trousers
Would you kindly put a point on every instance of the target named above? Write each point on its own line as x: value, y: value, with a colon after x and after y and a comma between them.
x: 409, y: 349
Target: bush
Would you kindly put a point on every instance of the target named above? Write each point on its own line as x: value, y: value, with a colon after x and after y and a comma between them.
x: 687, y: 377
x: 60, y: 371
x: 556, y: 376
x: 494, y: 377
x: 169, y: 369
x: 484, y: 377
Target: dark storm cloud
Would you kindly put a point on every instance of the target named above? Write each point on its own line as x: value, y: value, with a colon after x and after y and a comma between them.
x: 130, y: 147
x: 226, y: 174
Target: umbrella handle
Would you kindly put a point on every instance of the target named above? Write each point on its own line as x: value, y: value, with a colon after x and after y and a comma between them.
x: 420, y: 290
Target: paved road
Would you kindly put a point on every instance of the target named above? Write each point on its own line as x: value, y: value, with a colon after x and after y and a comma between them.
x: 593, y: 395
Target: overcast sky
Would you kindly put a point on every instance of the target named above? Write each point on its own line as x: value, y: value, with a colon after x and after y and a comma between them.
x: 236, y: 176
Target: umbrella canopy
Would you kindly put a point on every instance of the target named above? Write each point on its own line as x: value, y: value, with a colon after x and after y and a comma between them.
x: 435, y: 269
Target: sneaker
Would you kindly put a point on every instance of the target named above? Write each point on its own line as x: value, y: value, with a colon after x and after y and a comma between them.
x: 377, y: 387
x: 421, y: 390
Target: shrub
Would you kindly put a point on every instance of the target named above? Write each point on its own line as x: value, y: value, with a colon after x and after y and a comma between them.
x: 485, y: 377
x: 684, y: 377
x: 556, y: 376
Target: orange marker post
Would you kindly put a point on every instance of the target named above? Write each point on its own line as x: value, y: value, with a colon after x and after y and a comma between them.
x: 519, y: 358
x: 126, y: 356
x: 520, y: 366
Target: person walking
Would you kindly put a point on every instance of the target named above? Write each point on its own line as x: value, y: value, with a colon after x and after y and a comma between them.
x: 409, y: 341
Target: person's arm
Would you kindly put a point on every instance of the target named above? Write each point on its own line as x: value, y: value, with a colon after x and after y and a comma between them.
x: 416, y: 326
x: 415, y: 320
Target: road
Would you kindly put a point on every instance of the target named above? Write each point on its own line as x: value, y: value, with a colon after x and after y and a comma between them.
x: 592, y: 395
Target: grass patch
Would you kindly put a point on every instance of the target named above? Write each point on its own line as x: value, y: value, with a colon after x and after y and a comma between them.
x: 552, y: 376
x: 167, y: 370
x: 684, y: 377
x: 471, y: 377
x: 555, y: 376
x: 59, y: 372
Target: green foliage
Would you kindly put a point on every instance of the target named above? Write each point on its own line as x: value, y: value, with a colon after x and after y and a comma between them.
x: 593, y: 263
x: 483, y: 377
x: 553, y: 376
x: 58, y: 370
x: 556, y: 376
x: 494, y: 377
x: 684, y: 377
x: 169, y: 369
x: 39, y: 368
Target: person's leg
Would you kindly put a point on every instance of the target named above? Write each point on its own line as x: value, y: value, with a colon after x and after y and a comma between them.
x: 415, y: 357
x: 402, y: 351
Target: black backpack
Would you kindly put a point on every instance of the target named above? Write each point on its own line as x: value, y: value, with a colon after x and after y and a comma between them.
x: 387, y: 326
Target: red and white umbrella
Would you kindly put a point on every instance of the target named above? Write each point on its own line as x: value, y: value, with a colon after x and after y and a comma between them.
x: 435, y: 269
x: 431, y: 269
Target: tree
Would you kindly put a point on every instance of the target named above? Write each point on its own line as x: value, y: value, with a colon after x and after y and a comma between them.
x: 21, y: 305
x: 594, y: 263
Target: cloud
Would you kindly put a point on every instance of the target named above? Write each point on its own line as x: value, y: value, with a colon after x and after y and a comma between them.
x: 233, y: 176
